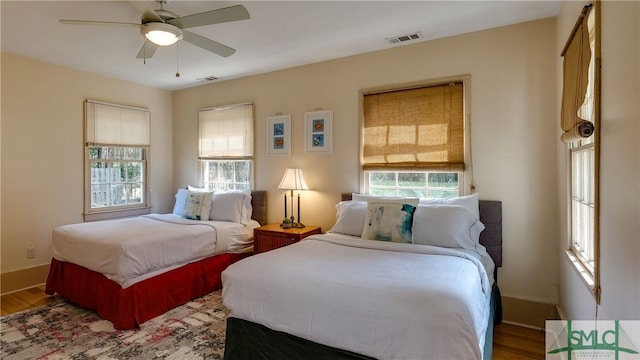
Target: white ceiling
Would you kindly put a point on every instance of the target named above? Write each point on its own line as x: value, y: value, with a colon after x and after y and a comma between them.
x: 279, y: 34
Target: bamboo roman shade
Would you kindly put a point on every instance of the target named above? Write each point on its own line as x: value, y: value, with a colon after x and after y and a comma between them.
x: 417, y: 129
x: 116, y: 125
x: 576, y: 116
x: 226, y: 132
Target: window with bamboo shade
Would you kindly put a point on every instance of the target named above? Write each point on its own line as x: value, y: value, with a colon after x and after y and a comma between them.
x: 414, y: 141
x: 580, y: 122
x: 418, y: 129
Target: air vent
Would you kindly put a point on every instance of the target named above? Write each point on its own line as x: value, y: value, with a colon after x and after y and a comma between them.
x: 404, y: 38
x: 208, y: 78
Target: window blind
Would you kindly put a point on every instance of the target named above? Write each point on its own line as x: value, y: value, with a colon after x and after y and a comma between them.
x: 575, y: 113
x: 226, y: 132
x: 421, y: 129
x: 116, y: 125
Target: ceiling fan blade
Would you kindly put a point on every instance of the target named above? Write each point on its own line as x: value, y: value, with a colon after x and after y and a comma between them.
x: 144, y: 7
x: 92, y: 22
x: 207, y: 44
x: 147, y: 51
x: 231, y: 13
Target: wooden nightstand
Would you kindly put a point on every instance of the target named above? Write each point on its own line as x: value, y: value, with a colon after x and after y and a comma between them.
x: 272, y: 236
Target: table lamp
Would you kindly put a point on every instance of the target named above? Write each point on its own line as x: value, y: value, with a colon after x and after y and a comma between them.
x: 293, y: 180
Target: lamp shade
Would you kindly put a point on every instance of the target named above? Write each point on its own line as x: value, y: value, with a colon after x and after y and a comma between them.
x: 293, y: 180
x: 162, y: 34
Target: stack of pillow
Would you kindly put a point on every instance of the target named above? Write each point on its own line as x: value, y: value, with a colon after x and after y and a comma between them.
x: 451, y: 223
x: 201, y: 204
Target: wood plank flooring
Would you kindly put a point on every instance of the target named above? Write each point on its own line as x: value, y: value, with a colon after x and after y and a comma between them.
x: 510, y: 342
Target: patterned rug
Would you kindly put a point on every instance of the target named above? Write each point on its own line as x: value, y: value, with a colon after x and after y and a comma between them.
x: 62, y: 330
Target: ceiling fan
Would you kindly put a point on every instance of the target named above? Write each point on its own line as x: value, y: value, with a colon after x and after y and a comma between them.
x: 162, y: 27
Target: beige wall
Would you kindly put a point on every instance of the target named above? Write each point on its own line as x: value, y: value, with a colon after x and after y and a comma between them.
x: 513, y: 111
x: 42, y: 151
x: 619, y: 172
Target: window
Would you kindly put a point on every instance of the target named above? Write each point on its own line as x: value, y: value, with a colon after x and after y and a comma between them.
x: 429, y: 184
x: 414, y: 141
x: 116, y: 152
x: 579, y: 122
x: 226, y: 147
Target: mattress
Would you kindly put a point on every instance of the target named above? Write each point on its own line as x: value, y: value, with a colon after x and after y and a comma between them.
x: 379, y: 299
x: 129, y: 250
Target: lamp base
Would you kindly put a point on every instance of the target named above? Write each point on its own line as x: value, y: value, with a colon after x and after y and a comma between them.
x: 297, y: 225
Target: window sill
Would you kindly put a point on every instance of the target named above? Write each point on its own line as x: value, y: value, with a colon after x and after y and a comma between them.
x: 584, y: 275
x: 114, y: 214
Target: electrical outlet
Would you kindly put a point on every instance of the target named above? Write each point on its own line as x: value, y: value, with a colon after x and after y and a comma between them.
x: 31, y: 252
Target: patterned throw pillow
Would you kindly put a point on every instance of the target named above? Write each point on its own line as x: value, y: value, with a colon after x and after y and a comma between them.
x: 390, y: 220
x: 197, y: 206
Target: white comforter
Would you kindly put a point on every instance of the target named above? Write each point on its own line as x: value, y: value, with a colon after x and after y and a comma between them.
x: 130, y: 250
x: 385, y: 300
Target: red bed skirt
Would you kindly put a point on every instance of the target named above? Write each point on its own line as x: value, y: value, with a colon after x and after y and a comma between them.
x: 130, y: 307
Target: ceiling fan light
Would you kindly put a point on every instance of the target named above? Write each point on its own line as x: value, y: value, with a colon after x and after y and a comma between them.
x: 161, y: 33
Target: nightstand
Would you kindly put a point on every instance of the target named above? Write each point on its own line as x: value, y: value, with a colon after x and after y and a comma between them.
x: 272, y: 236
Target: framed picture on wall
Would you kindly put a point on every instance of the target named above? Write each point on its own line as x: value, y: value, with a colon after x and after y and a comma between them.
x: 279, y: 135
x: 318, y: 132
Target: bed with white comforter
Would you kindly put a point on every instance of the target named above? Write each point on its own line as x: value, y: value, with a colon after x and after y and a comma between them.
x: 131, y: 250
x: 339, y: 281
x: 345, y: 295
x: 131, y: 270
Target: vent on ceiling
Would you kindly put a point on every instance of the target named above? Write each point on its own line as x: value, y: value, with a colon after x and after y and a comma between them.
x: 208, y: 78
x: 404, y: 38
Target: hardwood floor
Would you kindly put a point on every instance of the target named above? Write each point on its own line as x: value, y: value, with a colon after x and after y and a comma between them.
x: 509, y: 341
x: 517, y: 342
x: 25, y: 299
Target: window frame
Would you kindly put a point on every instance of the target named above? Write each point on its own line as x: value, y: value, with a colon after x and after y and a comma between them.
x: 110, y: 212
x: 465, y: 177
x: 232, y: 185
x: 205, y: 159
x: 588, y: 269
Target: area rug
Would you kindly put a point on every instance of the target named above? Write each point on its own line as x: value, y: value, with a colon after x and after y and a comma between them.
x: 62, y: 330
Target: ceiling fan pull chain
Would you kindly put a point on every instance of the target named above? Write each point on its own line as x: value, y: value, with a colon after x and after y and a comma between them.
x: 177, y: 59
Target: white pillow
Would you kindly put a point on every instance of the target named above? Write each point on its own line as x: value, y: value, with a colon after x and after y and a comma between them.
x: 390, y: 220
x: 469, y: 202
x: 199, y: 189
x: 366, y: 197
x: 450, y: 226
x: 350, y: 218
x: 181, y: 202
x: 247, y: 208
x: 231, y: 205
x: 198, y: 205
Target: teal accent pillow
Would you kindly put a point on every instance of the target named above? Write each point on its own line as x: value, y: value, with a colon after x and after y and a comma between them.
x: 390, y: 220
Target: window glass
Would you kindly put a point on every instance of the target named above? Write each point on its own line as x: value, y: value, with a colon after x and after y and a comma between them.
x: 117, y: 176
x: 414, y: 184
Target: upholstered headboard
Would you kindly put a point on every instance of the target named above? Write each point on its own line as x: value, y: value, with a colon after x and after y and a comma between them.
x: 491, y: 236
x: 259, y: 205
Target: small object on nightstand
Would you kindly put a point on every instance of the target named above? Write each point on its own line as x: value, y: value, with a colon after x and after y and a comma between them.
x: 286, y: 223
x: 273, y: 236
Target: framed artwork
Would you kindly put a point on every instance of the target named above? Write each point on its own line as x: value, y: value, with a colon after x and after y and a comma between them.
x: 279, y: 135
x: 318, y: 130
